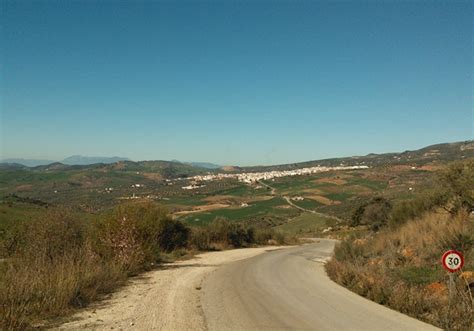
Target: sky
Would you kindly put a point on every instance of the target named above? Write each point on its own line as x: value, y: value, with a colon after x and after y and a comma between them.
x: 233, y: 82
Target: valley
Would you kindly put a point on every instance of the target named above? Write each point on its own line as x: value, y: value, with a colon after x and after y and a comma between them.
x: 262, y: 196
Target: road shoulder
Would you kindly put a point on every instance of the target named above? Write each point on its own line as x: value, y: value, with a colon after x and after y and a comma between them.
x: 163, y: 299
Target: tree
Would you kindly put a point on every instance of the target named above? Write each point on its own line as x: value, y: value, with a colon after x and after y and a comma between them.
x: 374, y: 213
x: 458, y: 182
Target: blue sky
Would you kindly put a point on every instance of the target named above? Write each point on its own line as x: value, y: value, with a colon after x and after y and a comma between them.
x: 233, y: 82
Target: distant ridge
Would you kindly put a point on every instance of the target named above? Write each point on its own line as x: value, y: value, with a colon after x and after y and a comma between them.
x: 86, y: 160
x: 27, y: 162
x: 71, y: 160
x: 444, y: 152
x: 206, y: 165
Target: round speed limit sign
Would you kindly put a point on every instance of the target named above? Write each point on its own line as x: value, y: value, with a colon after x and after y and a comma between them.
x: 452, y: 260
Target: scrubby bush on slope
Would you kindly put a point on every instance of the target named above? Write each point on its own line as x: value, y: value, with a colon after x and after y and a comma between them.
x: 402, y: 268
x: 61, y: 262
x: 453, y: 192
x: 58, y: 262
x: 375, y: 214
x: 54, y: 269
x: 222, y: 233
x: 400, y: 265
x: 134, y: 235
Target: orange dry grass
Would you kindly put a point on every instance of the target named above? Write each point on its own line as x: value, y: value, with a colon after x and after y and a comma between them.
x: 406, y: 262
x: 34, y: 290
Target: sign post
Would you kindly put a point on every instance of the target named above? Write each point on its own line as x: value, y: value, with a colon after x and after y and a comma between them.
x: 452, y: 261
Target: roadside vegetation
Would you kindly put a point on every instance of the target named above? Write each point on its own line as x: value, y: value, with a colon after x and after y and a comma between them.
x: 398, y: 262
x: 57, y: 262
x: 66, y: 238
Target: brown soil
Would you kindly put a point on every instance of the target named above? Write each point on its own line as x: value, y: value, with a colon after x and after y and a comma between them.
x: 323, y: 200
x: 199, y: 209
x: 331, y: 180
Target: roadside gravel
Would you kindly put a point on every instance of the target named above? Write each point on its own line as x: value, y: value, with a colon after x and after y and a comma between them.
x: 164, y: 299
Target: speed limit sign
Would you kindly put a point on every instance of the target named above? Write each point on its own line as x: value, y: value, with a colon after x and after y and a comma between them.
x: 452, y: 260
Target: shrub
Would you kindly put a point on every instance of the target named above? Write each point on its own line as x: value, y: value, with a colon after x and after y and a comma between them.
x: 222, y: 233
x: 458, y: 182
x: 415, y: 208
x: 12, y: 238
x: 200, y: 239
x: 400, y: 267
x: 453, y: 192
x: 56, y: 234
x: 226, y: 233
x: 60, y: 262
x: 55, y: 268
x: 419, y: 275
x: 375, y: 214
x: 134, y: 234
x: 263, y: 236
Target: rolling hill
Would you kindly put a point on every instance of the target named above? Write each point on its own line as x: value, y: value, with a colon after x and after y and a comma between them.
x: 433, y: 154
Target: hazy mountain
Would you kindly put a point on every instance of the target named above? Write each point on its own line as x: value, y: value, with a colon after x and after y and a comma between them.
x: 11, y: 166
x: 85, y: 160
x: 71, y: 160
x: 206, y: 165
x: 28, y: 162
x: 434, y: 153
x: 438, y: 153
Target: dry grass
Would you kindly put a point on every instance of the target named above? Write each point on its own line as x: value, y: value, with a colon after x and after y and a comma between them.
x: 58, y: 263
x: 32, y: 291
x: 401, y: 268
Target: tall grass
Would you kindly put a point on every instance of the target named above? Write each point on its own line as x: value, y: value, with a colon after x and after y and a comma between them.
x: 57, y: 263
x: 401, y: 268
x: 53, y: 267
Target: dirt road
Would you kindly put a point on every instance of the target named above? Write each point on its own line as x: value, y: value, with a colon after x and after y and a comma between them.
x: 288, y: 200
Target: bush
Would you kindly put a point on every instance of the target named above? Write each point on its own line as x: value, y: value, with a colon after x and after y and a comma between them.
x: 400, y: 267
x: 222, y: 233
x: 226, y: 233
x: 134, y: 235
x: 375, y: 214
x: 453, y: 192
x: 458, y: 182
x: 59, y: 262
x: 55, y: 268
x: 417, y: 207
x: 200, y: 239
x: 263, y: 236
x: 56, y: 234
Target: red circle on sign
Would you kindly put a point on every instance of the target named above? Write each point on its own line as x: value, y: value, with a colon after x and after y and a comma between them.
x: 446, y: 264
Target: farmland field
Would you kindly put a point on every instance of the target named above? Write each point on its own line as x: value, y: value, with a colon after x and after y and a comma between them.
x: 96, y: 189
x: 307, y: 223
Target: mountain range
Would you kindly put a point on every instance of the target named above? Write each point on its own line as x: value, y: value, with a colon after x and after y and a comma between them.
x: 71, y: 160
x: 435, y: 153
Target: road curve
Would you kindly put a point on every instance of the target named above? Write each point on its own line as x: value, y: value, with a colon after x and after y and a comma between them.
x: 288, y: 289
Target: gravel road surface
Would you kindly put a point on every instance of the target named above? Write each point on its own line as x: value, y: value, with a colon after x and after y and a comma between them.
x: 276, y: 288
x: 288, y: 289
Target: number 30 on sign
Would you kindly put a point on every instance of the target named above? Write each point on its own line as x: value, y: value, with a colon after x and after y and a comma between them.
x: 452, y: 260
